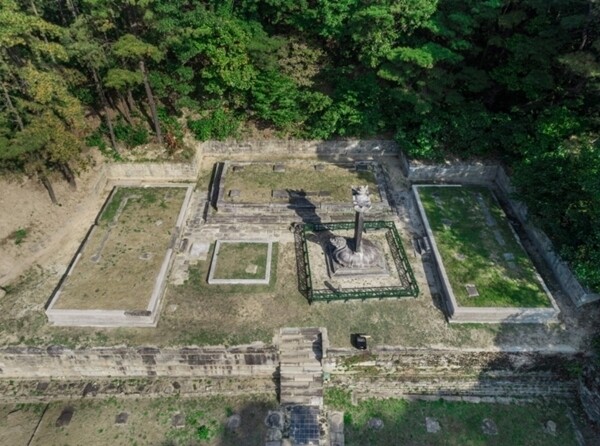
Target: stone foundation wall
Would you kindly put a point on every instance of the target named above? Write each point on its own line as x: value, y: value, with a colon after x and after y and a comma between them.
x: 44, y: 390
x: 495, y: 177
x: 400, y: 373
x: 151, y: 171
x: 38, y: 374
x: 59, y: 362
x: 485, y: 388
x: 589, y: 392
x: 476, y: 173
x: 300, y: 148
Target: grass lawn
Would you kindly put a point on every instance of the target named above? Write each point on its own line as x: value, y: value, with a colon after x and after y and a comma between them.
x: 149, y: 422
x: 460, y: 422
x: 257, y: 181
x: 241, y: 261
x: 478, y: 247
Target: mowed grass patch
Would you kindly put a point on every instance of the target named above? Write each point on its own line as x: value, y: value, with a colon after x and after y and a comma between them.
x: 241, y: 260
x: 123, y: 255
x: 478, y: 247
x: 257, y: 181
x: 239, y: 314
x: 460, y: 422
x: 149, y: 422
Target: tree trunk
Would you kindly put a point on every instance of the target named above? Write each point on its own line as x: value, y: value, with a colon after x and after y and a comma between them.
x: 125, y: 109
x: 151, y: 102
x: 68, y: 174
x: 111, y: 131
x: 48, y: 185
x: 12, y: 108
x: 72, y: 8
x: 35, y: 12
x: 130, y: 101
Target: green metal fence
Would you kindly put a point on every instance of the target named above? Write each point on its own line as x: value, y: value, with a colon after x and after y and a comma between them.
x: 409, y: 286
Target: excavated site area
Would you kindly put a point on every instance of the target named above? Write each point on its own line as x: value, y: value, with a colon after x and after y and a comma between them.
x: 157, y: 281
x: 193, y: 312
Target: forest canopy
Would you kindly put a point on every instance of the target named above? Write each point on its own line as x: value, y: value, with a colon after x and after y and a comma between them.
x: 513, y: 81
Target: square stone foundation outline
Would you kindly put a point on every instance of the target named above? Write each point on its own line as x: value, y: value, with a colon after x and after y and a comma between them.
x: 120, y: 318
x: 215, y: 259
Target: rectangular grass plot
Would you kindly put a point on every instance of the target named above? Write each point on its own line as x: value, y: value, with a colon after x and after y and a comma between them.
x: 485, y: 262
x: 241, y: 262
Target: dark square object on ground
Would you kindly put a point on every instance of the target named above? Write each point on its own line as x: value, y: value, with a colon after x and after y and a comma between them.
x: 304, y: 425
x: 65, y: 417
x: 122, y: 418
x: 358, y: 341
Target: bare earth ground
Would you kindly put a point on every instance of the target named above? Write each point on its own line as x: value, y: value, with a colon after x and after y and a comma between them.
x: 53, y: 232
x: 196, y: 313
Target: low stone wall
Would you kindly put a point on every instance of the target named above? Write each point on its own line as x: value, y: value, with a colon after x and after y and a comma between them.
x: 381, y: 372
x: 495, y: 177
x: 589, y: 391
x: 45, y: 390
x: 154, y: 171
x: 60, y: 362
x: 301, y: 148
x: 476, y: 173
x: 563, y: 274
x: 405, y: 372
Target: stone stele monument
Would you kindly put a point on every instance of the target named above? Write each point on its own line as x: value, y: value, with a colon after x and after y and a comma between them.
x: 357, y: 256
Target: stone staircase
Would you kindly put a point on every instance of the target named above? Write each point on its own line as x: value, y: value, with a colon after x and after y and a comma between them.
x: 301, y: 373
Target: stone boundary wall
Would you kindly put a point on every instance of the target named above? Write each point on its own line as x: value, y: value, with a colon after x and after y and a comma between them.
x: 46, y: 390
x: 481, y: 374
x: 576, y: 291
x: 64, y: 363
x: 301, y: 148
x: 486, y: 389
x: 153, y: 171
x: 462, y: 314
x: 381, y: 372
x: 495, y: 177
x: 589, y: 390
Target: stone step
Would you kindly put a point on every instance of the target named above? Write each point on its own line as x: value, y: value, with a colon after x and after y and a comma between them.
x: 301, y: 378
x: 295, y: 361
x: 308, y: 355
x: 299, y: 383
x: 299, y: 369
x: 302, y: 401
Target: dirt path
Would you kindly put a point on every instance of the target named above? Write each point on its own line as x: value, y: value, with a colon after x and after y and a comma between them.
x: 52, y: 232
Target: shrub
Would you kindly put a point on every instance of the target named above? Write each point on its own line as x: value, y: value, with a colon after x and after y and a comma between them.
x: 131, y: 135
x: 219, y: 124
